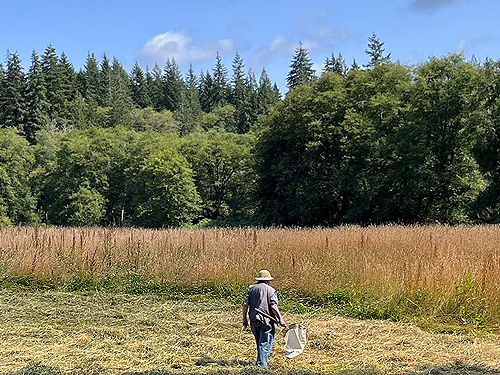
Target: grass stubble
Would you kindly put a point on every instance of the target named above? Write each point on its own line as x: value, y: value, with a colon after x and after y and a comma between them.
x: 118, y: 334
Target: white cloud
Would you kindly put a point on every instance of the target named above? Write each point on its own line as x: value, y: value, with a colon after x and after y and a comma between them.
x: 178, y: 45
x: 328, y: 33
x: 281, y: 46
x: 321, y: 39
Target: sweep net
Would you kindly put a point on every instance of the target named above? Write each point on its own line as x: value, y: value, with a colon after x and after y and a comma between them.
x: 296, y: 339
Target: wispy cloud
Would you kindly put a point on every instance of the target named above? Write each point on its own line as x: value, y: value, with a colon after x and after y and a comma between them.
x: 321, y: 39
x: 467, y: 45
x: 178, y: 45
x: 430, y: 5
x: 281, y: 46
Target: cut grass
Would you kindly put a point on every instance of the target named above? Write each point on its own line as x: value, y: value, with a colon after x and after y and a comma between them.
x: 50, y: 332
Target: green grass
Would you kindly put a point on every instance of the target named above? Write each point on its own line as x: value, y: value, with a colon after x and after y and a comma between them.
x: 462, y: 313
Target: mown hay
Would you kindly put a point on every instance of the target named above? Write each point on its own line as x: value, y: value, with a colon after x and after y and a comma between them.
x: 116, y: 334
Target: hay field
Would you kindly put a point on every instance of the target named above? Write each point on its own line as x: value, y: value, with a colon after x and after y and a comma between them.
x: 452, y: 272
x: 50, y: 332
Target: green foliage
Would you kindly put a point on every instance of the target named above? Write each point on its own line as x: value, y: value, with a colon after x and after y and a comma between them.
x: 163, y: 191
x: 174, y: 88
x: 147, y: 119
x: 441, y: 134
x: 17, y: 203
x: 383, y: 143
x: 223, y: 173
x: 4, y: 220
x: 375, y: 146
x: 85, y: 208
x: 467, y: 304
x: 300, y: 156
x: 86, y: 164
x: 220, y: 118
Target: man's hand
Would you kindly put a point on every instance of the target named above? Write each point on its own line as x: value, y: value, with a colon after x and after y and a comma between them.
x: 282, y: 322
x: 244, y: 314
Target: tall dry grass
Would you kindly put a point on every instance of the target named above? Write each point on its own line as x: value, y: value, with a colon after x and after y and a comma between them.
x: 452, y: 266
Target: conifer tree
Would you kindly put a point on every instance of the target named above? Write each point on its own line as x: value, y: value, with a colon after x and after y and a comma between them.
x: 49, y: 63
x: 36, y: 100
x: 221, y: 86
x: 138, y: 87
x: 105, y: 79
x: 336, y: 65
x: 240, y: 95
x: 12, y: 100
x: 174, y: 85
x: 68, y: 78
x: 354, y: 65
x: 60, y: 81
x: 190, y: 111
x: 120, y: 98
x: 154, y: 87
x: 207, y: 92
x: 376, y: 52
x: 267, y: 94
x: 301, y: 68
x: 252, y: 103
x: 92, y: 80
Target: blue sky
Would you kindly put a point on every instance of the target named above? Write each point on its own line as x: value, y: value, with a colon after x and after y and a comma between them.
x: 264, y: 32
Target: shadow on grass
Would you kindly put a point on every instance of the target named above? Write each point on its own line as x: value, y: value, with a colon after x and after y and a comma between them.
x: 456, y: 368
x: 207, y: 361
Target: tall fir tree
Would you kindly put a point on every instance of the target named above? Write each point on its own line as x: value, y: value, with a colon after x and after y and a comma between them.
x: 49, y: 63
x: 92, y: 80
x: 120, y: 97
x: 252, y: 95
x: 36, y: 100
x: 301, y: 68
x: 336, y: 65
x: 68, y: 84
x: 207, y: 92
x: 221, y: 85
x: 173, y: 85
x: 138, y: 87
x: 376, y: 52
x: 59, y: 77
x: 154, y: 87
x: 12, y: 101
x: 190, y: 111
x: 267, y: 94
x: 240, y: 95
x: 105, y: 79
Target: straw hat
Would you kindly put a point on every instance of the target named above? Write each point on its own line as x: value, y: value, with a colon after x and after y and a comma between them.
x: 264, y: 275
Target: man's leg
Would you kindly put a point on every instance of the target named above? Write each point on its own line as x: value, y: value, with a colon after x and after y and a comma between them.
x: 255, y: 327
x: 265, y: 344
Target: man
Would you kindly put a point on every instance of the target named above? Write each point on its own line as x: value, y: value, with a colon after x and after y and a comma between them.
x: 261, y: 304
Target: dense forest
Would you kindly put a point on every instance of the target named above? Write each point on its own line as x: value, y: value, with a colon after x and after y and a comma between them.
x: 377, y: 143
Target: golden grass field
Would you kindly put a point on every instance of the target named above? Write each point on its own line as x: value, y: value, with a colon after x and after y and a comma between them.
x: 50, y: 332
x: 441, y: 274
x: 446, y: 271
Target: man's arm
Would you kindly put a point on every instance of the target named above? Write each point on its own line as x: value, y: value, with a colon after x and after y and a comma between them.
x: 244, y: 312
x: 277, y: 313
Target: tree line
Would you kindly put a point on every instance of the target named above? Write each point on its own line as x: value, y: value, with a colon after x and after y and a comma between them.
x: 377, y: 143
